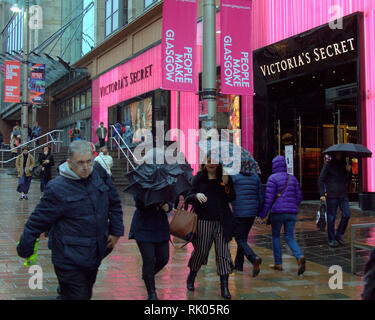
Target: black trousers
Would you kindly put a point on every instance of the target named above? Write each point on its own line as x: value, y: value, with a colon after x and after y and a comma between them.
x: 155, y: 256
x: 101, y: 142
x: 76, y: 284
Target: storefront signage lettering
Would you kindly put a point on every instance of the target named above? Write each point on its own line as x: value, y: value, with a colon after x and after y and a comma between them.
x: 178, y: 67
x: 236, y: 71
x: 315, y: 55
x: 128, y: 80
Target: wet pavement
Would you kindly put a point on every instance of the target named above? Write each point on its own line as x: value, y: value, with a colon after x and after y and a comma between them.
x: 119, y: 277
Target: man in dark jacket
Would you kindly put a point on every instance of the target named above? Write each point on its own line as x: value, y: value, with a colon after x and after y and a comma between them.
x: 84, y: 216
x: 246, y: 207
x: 333, y: 190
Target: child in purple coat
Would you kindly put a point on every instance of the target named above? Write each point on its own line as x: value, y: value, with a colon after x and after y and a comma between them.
x: 284, y: 210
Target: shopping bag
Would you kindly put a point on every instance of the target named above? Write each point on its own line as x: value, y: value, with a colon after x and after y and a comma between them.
x: 321, y: 217
x: 183, y: 225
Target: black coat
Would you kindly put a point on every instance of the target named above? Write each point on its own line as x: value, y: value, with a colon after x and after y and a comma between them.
x: 218, y: 203
x: 80, y: 215
x: 334, y: 178
x: 369, y: 278
x: 46, y: 174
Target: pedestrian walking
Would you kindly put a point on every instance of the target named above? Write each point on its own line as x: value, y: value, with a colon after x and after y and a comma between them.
x: 150, y: 229
x: 71, y: 135
x: 210, y: 196
x: 101, y: 133
x: 105, y: 160
x: 246, y: 207
x: 1, y: 140
x: 24, y: 164
x: 282, y: 198
x: 14, y: 143
x: 76, y: 134
x: 84, y: 215
x: 333, y: 181
x: 47, y: 161
x: 36, y: 132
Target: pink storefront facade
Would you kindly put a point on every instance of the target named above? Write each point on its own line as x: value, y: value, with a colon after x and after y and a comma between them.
x: 272, y: 21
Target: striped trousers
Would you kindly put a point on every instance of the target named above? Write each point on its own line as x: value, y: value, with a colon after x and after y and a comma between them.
x: 207, y: 233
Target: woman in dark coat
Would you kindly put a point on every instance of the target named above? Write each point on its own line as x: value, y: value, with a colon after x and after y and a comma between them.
x: 150, y: 229
x: 47, y: 162
x: 212, y: 192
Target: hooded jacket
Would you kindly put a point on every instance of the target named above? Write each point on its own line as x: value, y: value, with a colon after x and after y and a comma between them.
x: 81, y: 214
x: 105, y: 161
x: 249, y: 195
x: 292, y: 195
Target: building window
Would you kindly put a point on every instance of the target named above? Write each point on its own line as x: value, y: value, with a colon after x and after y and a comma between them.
x: 149, y: 2
x: 77, y: 103
x: 88, y: 99
x: 15, y: 34
x: 111, y: 16
x: 83, y: 100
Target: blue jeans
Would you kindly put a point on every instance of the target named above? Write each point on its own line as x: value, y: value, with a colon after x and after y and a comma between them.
x: 241, y: 233
x: 332, y: 205
x: 289, y: 221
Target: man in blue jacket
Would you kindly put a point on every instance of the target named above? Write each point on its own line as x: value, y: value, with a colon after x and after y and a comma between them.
x: 246, y: 207
x: 84, y: 215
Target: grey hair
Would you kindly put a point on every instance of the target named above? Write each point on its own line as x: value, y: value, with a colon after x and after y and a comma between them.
x: 79, y: 146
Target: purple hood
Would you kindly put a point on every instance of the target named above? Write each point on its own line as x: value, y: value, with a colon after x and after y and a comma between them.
x: 292, y: 195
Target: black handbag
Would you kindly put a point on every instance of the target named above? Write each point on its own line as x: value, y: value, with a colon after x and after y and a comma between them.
x: 277, y: 198
x: 37, y: 171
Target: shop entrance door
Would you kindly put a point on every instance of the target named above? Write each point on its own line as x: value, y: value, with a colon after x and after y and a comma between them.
x: 310, y: 114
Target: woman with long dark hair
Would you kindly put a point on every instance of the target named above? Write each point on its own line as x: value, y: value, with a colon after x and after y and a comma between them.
x: 212, y: 192
x: 47, y: 162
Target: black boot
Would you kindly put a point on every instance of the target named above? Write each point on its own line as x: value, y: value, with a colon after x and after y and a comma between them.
x: 224, y: 287
x: 190, y: 280
x: 150, y: 286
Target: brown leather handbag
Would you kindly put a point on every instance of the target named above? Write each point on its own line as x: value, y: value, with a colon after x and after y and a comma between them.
x: 183, y: 225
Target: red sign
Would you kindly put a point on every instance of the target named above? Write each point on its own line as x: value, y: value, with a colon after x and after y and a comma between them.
x: 179, y: 50
x: 12, y: 81
x: 235, y: 46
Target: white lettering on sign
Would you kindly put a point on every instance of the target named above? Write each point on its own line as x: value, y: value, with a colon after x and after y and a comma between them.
x: 318, y: 54
x: 236, y: 69
x: 178, y: 66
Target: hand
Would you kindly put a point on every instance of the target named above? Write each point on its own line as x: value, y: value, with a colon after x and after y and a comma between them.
x: 165, y: 207
x: 348, y: 167
x: 323, y: 199
x: 201, y: 197
x: 112, y: 240
x: 258, y: 220
x: 225, y: 179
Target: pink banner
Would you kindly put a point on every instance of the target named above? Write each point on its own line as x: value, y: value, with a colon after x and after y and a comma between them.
x: 179, y: 53
x: 235, y: 47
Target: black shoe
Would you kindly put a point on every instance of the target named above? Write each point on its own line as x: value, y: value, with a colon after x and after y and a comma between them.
x: 332, y: 244
x: 256, y: 266
x: 339, y: 240
x: 26, y: 198
x: 238, y: 268
x: 224, y: 287
x: 190, y: 280
x: 301, y: 265
x: 152, y: 296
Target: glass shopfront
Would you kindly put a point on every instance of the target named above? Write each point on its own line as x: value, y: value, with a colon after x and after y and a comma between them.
x: 307, y: 98
x: 139, y: 115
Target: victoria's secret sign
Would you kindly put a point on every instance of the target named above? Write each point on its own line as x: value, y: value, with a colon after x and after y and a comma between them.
x: 126, y: 80
x: 308, y: 52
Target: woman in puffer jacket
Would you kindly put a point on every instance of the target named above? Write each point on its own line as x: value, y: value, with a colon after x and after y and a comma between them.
x: 284, y: 210
x: 246, y: 207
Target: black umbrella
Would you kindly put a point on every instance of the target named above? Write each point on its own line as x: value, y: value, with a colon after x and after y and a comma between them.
x: 154, y: 183
x: 351, y: 150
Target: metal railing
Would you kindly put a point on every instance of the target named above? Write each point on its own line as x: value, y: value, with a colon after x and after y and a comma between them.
x: 120, y: 148
x: 56, y: 141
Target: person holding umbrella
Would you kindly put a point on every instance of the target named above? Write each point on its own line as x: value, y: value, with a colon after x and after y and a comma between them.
x: 333, y: 181
x: 154, y: 187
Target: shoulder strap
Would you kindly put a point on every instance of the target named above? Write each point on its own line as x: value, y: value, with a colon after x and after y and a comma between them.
x: 280, y: 194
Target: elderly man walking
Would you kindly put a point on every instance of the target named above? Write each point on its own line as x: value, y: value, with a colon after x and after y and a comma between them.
x: 84, y: 215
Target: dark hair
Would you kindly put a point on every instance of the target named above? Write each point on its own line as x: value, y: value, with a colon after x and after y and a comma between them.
x: 219, y: 169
